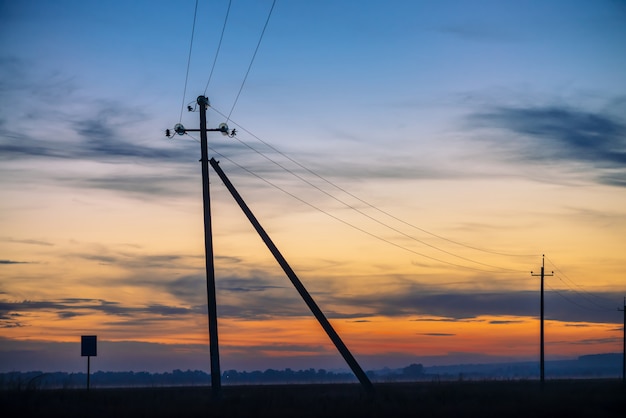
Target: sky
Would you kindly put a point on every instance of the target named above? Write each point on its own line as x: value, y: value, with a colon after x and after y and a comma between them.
x: 412, y: 160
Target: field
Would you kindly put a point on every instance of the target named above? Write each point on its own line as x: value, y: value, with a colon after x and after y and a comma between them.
x: 566, y: 398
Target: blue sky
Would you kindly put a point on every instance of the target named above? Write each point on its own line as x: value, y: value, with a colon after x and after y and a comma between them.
x: 483, y: 128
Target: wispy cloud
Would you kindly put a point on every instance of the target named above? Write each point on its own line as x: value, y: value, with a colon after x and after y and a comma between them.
x: 594, y: 341
x: 561, y: 133
x: 70, y: 307
x: 478, y: 32
x: 26, y: 241
x: 459, y: 305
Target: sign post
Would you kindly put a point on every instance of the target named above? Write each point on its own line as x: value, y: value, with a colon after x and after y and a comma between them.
x: 88, y: 348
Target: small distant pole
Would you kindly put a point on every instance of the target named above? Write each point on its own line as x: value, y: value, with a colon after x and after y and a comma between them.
x: 624, y: 344
x: 541, y: 352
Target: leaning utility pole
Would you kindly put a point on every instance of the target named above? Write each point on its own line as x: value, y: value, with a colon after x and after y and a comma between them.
x: 541, y: 355
x: 203, y: 103
x: 624, y: 345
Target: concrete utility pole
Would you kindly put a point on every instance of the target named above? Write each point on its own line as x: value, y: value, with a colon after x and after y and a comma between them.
x: 624, y: 344
x: 541, y: 355
x: 216, y: 378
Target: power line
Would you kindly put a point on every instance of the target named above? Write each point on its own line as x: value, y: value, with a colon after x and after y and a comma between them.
x: 219, y: 45
x: 366, y: 203
x: 251, y: 61
x: 597, y: 307
x: 573, y: 302
x: 193, y: 30
x: 365, y: 214
x: 591, y: 301
x: 378, y: 237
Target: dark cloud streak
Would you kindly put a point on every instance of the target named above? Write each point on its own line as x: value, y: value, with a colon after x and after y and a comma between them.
x: 561, y: 133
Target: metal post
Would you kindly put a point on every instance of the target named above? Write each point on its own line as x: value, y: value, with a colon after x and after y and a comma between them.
x: 319, y: 315
x: 88, y: 370
x: 216, y: 382
x: 541, y: 343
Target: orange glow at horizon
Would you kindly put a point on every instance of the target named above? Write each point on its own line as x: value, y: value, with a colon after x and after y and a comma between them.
x: 506, y: 337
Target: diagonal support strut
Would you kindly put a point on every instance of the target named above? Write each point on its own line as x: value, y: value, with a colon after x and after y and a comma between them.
x: 319, y: 315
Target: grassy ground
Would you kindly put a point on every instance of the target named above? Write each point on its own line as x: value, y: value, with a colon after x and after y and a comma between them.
x: 567, y: 398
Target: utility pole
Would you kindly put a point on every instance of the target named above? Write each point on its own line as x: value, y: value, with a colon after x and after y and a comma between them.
x: 624, y: 345
x: 203, y: 103
x: 541, y: 352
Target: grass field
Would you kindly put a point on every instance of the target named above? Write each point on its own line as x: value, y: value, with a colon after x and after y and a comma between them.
x: 566, y: 398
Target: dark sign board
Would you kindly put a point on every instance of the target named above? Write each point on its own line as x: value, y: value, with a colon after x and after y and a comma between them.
x: 88, y: 346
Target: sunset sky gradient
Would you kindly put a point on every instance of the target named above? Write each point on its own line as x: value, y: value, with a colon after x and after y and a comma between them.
x: 412, y: 160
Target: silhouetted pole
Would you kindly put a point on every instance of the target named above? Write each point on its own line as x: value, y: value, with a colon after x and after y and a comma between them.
x: 624, y: 345
x: 88, y: 370
x: 216, y: 378
x: 203, y: 103
x: 319, y: 315
x: 541, y: 352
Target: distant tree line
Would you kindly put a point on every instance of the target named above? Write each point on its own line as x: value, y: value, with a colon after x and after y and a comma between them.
x: 606, y: 365
x: 57, y: 380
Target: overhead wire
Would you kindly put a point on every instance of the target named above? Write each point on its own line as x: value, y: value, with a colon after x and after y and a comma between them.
x: 378, y: 237
x: 251, y: 61
x: 346, y: 192
x: 219, y: 46
x: 573, y: 302
x: 368, y: 204
x: 584, y: 292
x: 352, y: 207
x: 193, y: 30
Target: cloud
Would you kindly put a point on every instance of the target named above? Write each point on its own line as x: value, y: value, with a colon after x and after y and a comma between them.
x: 459, y: 305
x: 76, y: 128
x: 71, y: 307
x: 561, y: 134
x: 436, y: 320
x: 135, y: 260
x: 594, y: 341
x: 478, y: 32
x: 9, y: 319
x: 279, y: 347
x: 438, y: 334
x: 27, y: 241
x: 235, y: 284
x: 136, y: 184
x: 14, y: 262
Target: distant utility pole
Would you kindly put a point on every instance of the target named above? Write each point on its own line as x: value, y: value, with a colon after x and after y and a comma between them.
x: 203, y: 103
x: 624, y: 344
x: 541, y: 355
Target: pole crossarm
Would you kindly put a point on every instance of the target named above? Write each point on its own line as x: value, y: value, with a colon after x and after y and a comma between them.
x: 317, y: 312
